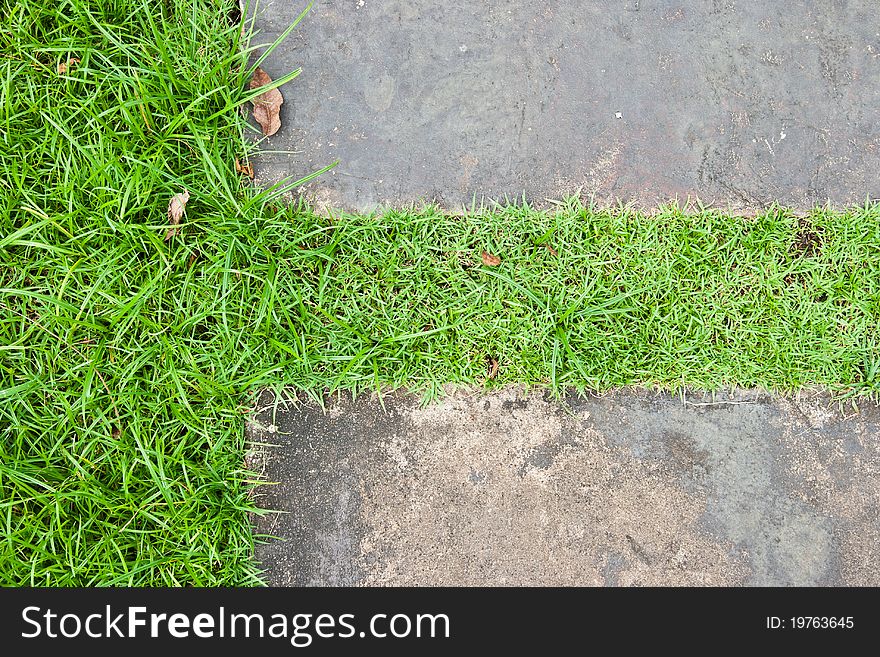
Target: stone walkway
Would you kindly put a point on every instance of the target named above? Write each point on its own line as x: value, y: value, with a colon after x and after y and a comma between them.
x: 739, y: 103
x: 509, y: 488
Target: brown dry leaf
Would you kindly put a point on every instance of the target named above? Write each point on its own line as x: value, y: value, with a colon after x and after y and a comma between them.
x: 551, y: 249
x: 490, y: 260
x: 244, y: 169
x: 267, y: 106
x: 176, y: 208
x: 63, y: 67
x: 492, y: 364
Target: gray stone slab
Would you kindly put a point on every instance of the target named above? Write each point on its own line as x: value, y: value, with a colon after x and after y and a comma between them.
x: 513, y: 488
x: 739, y: 103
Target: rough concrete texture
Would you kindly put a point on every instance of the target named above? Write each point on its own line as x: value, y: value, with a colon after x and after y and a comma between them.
x: 739, y: 103
x: 513, y: 488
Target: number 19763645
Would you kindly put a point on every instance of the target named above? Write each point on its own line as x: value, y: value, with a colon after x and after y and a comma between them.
x: 810, y: 623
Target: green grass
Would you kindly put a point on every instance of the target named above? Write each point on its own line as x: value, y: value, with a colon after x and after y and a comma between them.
x: 128, y: 363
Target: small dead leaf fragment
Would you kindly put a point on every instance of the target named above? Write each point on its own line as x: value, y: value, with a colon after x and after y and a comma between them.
x: 176, y: 209
x: 490, y: 260
x: 267, y: 106
x: 63, y: 67
x: 115, y: 432
x: 551, y: 249
x: 492, y: 366
x: 244, y: 169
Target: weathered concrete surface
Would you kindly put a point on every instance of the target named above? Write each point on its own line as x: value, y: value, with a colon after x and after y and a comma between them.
x: 633, y: 488
x: 740, y: 103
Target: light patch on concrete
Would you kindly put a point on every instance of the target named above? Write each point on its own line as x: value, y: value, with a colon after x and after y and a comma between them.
x: 487, y: 501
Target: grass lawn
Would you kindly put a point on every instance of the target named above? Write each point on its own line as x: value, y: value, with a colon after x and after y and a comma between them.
x: 128, y: 362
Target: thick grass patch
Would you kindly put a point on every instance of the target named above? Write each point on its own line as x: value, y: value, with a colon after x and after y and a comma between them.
x: 122, y: 384
x: 127, y: 363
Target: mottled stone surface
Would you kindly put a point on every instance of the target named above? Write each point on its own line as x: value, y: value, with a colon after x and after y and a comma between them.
x: 514, y: 488
x: 739, y: 103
